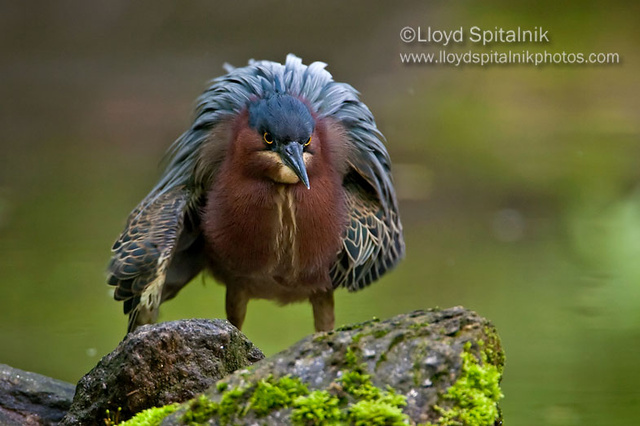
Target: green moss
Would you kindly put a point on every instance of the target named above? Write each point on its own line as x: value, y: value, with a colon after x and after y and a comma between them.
x: 474, y: 395
x: 378, y: 334
x: 200, y: 410
x: 376, y: 413
x: 391, y: 397
x: 359, y: 385
x: 356, y: 339
x: 418, y: 325
x: 373, y: 406
x: 493, y: 348
x: 151, y: 417
x: 348, y: 327
x: 271, y: 395
x: 397, y: 339
x: 267, y: 395
x: 421, y: 352
x: 322, y: 337
x: 317, y: 408
x: 229, y: 405
x: 382, y: 359
x: 112, y: 419
x: 350, y: 358
x: 352, y: 399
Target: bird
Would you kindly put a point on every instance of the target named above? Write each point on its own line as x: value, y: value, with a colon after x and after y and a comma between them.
x: 281, y: 188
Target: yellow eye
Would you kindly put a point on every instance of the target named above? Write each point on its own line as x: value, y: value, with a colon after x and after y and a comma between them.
x: 267, y: 138
x: 308, y: 142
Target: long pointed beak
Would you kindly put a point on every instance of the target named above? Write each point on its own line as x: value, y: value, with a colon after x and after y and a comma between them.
x: 292, y: 156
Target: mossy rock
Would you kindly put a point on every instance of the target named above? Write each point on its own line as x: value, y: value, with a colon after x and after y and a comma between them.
x: 158, y: 365
x: 436, y: 367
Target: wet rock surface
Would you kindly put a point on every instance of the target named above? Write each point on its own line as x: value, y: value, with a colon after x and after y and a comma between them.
x: 425, y: 366
x: 435, y: 367
x: 160, y: 364
x: 32, y: 399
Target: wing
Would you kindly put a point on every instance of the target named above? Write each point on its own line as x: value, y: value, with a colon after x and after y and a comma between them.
x: 372, y: 243
x: 157, y: 231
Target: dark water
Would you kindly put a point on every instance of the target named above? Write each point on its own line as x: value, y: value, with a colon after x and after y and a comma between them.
x: 519, y: 185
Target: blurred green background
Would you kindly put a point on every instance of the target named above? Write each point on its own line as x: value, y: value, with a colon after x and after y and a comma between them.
x: 519, y: 185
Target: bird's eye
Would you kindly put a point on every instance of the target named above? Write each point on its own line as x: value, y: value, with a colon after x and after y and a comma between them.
x: 267, y: 138
x: 308, y: 142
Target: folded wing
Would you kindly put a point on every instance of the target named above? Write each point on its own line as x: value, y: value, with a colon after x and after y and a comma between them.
x: 157, y: 231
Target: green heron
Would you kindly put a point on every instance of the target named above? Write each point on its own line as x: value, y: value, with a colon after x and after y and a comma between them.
x: 281, y: 188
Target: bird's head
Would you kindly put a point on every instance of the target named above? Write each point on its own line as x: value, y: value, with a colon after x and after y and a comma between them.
x: 281, y: 138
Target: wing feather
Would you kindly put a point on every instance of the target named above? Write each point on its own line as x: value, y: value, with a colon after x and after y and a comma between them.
x: 372, y: 242
x: 143, y: 252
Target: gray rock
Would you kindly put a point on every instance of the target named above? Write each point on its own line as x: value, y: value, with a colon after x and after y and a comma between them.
x: 31, y: 399
x: 157, y: 365
x: 445, y: 365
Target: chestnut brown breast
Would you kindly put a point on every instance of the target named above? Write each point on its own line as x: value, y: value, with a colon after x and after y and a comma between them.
x: 263, y: 233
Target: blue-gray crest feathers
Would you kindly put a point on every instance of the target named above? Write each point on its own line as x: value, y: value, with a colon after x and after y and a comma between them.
x: 287, y: 118
x: 232, y: 92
